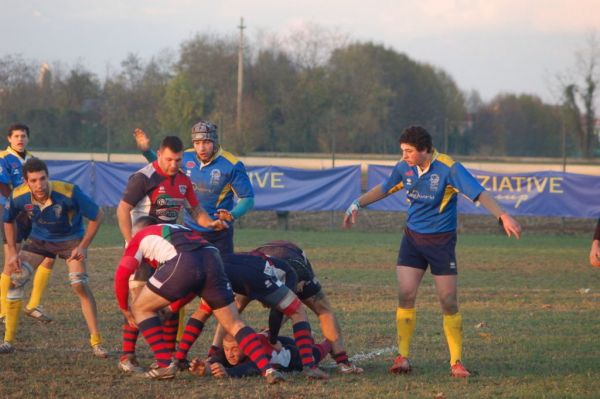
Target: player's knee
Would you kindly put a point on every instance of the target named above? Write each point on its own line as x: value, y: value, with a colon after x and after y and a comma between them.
x: 293, y: 308
x: 78, y: 281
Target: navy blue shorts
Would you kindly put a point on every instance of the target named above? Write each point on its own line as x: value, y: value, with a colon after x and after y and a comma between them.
x: 252, y: 276
x: 200, y: 271
x: 437, y: 250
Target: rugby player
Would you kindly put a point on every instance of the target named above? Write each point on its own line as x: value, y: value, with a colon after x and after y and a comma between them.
x: 56, y: 210
x: 311, y: 294
x: 11, y: 176
x: 159, y: 190
x: 189, y: 265
x: 253, y: 277
x: 432, y: 181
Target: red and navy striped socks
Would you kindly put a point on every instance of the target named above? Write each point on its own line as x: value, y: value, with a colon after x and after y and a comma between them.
x: 192, y: 331
x: 252, y: 347
x: 152, y: 330
x: 304, y: 342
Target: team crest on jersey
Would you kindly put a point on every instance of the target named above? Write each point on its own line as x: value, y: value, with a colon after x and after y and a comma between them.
x: 434, y: 182
x: 409, y: 173
x: 57, y: 210
x: 215, y: 177
x: 182, y: 189
x: 190, y: 165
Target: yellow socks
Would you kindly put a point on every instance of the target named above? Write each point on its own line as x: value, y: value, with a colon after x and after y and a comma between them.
x: 453, y: 331
x: 95, y: 339
x: 13, y: 314
x: 405, y: 323
x: 40, y: 281
x: 4, y: 287
x: 181, y: 326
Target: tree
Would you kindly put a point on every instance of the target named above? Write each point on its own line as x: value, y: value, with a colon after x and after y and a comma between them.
x: 580, y: 93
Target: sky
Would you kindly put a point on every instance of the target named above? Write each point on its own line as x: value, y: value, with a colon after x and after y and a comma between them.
x: 493, y: 46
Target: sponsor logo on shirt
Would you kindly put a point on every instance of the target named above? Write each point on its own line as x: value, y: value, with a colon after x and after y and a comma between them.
x: 215, y: 177
x: 57, y: 210
x: 409, y: 173
x: 161, y: 190
x: 190, y: 165
x: 434, y: 182
x: 182, y: 189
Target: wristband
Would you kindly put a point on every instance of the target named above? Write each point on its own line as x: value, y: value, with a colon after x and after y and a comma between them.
x: 354, y: 206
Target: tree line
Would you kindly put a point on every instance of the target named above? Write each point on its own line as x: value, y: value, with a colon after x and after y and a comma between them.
x: 322, y: 93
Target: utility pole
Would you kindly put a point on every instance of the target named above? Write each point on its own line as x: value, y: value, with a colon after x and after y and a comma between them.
x: 240, y: 86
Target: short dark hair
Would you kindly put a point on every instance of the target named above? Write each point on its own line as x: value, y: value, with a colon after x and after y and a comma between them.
x: 173, y: 143
x: 18, y: 126
x: 418, y: 137
x: 145, y: 221
x: 34, y: 165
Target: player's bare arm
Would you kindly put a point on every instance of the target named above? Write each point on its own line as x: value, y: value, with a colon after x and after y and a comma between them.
x: 595, y: 254
x: 202, y: 218
x: 373, y: 195
x: 13, y: 263
x: 511, y: 226
x: 124, y: 219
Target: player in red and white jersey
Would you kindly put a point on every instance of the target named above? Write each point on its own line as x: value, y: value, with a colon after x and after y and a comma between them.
x: 159, y: 190
x: 188, y: 265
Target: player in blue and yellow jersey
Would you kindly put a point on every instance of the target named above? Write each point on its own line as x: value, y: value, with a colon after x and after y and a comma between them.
x: 432, y: 181
x: 56, y: 210
x: 218, y: 176
x: 11, y: 176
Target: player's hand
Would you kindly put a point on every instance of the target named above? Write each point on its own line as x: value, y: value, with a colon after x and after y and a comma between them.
x: 224, y: 214
x: 350, y: 216
x: 511, y: 226
x: 198, y: 367
x: 77, y: 254
x: 141, y: 139
x: 13, y: 265
x: 218, y: 225
x: 595, y: 254
x: 129, y: 317
x: 218, y: 370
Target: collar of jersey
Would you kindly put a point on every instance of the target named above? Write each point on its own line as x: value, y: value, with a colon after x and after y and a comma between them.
x: 16, y: 154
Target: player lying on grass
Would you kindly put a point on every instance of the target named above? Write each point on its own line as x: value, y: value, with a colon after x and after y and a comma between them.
x: 189, y: 265
x: 252, y: 277
x: 230, y: 361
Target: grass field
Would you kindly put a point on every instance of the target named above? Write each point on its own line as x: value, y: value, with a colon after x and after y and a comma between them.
x: 540, y: 339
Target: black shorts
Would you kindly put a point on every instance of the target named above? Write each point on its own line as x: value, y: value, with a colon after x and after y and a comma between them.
x: 23, y: 224
x: 437, y: 250
x: 311, y: 288
x: 223, y: 239
x: 200, y: 271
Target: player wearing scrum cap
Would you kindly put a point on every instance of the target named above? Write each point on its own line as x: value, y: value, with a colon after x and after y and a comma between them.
x: 217, y: 176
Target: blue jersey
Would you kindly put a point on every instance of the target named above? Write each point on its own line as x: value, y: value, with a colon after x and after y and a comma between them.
x: 433, y: 195
x: 11, y: 168
x: 216, y: 183
x: 60, y: 218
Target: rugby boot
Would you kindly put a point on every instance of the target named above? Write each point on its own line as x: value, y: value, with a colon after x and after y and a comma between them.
x: 459, y: 371
x: 401, y: 365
